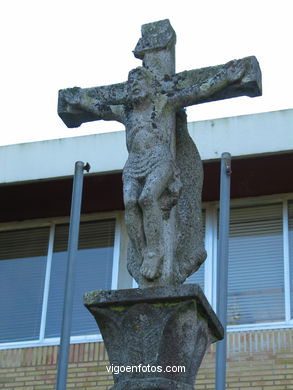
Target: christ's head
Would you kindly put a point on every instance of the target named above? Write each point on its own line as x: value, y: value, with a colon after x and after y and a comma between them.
x: 140, y: 83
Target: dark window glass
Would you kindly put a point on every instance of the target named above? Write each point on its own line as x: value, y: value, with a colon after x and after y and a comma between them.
x: 93, y: 271
x: 23, y: 255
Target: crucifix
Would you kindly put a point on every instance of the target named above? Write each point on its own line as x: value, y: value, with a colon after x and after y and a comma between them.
x: 162, y: 178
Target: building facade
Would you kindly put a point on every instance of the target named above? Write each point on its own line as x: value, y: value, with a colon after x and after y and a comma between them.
x: 35, y: 192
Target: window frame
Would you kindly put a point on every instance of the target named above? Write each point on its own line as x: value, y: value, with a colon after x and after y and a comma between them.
x: 51, y: 223
x: 211, y: 262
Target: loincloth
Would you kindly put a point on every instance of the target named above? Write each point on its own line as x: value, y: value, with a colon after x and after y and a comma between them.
x: 139, y: 166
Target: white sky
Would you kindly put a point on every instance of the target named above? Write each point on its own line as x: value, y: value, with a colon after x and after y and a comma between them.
x: 48, y: 45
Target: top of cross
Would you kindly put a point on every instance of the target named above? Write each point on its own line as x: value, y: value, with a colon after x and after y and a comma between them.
x: 155, y: 36
x: 157, y: 39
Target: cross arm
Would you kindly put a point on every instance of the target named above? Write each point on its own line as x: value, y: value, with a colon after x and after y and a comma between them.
x: 235, y: 78
x: 77, y: 106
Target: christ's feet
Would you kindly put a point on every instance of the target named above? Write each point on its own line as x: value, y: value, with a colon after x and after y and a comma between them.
x: 150, y: 268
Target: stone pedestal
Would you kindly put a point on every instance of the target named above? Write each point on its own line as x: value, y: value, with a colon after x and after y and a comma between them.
x: 150, y: 332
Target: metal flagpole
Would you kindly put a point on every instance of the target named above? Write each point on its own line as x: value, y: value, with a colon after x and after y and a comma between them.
x: 69, y: 287
x: 222, y: 267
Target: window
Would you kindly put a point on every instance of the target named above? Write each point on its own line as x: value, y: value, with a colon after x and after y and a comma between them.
x: 256, y: 265
x: 260, y: 273
x: 22, y: 278
x: 32, y: 278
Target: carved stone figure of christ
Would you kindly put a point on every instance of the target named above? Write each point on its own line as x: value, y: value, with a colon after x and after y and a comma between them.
x: 155, y: 177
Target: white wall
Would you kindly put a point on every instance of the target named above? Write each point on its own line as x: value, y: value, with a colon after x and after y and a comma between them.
x: 255, y: 134
x: 243, y: 135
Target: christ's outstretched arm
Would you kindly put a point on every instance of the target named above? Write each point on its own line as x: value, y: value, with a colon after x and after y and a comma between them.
x: 232, y: 72
x: 83, y: 100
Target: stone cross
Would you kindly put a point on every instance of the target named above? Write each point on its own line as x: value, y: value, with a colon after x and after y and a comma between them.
x: 162, y: 178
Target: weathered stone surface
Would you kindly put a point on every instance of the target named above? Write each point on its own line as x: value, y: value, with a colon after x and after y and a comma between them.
x: 156, y: 48
x: 163, y: 174
x: 155, y: 36
x: 250, y: 85
x: 159, y: 326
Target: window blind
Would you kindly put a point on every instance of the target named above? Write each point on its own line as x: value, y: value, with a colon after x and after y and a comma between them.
x: 93, y: 271
x: 22, y: 274
x: 256, y: 269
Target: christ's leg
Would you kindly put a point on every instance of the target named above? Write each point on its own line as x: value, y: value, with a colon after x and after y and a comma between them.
x: 156, y: 182
x: 133, y: 215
